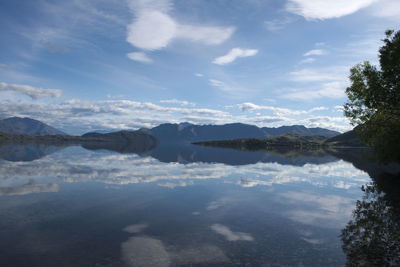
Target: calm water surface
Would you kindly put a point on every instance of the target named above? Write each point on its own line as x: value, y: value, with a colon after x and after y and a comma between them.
x: 174, y: 206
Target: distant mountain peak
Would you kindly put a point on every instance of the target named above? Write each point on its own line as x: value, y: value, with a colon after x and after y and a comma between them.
x: 17, y: 125
x: 185, y: 124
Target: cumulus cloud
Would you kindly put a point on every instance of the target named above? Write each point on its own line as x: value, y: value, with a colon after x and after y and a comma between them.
x: 326, y: 9
x: 315, y: 52
x: 33, y: 92
x: 229, y: 234
x: 234, y: 54
x: 139, y: 56
x: 153, y: 28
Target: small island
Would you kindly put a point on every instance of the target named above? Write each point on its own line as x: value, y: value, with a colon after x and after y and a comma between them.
x: 289, y: 141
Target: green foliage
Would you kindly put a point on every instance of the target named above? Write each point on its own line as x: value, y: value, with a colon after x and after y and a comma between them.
x: 374, y: 99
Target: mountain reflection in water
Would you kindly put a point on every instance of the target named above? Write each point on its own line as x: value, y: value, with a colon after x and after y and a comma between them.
x: 190, y: 206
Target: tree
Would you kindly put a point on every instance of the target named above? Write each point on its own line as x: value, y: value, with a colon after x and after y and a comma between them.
x: 374, y: 99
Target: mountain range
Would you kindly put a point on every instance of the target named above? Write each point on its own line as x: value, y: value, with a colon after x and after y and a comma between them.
x: 195, y: 133
x: 175, y: 132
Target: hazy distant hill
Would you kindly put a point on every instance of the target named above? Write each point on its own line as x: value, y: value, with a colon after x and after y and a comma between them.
x: 294, y: 141
x: 27, y: 126
x: 347, y: 139
x: 299, y: 129
x: 194, y: 133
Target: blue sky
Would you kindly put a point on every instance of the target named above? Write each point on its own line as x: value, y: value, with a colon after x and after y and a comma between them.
x: 84, y: 65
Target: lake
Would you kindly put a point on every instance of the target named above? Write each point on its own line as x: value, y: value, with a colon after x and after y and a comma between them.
x: 189, y: 206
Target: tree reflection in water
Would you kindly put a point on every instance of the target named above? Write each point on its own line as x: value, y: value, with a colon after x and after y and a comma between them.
x: 372, y: 237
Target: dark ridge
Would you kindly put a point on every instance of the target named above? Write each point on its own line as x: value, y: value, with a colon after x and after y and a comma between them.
x: 16, y: 125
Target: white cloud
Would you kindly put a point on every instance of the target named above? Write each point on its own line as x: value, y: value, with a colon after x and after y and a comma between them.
x: 179, y: 102
x: 33, y: 92
x: 199, y: 75
x: 153, y: 28
x: 205, y: 34
x: 326, y: 90
x: 314, y: 75
x: 219, y: 84
x: 160, y: 5
x: 229, y: 234
x: 307, y: 60
x: 234, y: 54
x: 139, y: 56
x: 326, y: 9
x: 78, y: 117
x: 387, y: 9
x: 315, y: 52
x: 276, y: 110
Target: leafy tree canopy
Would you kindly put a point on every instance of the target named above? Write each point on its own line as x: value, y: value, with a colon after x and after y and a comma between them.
x: 374, y: 99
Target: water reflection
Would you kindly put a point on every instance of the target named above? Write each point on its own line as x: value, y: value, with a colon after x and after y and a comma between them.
x: 30, y: 187
x: 78, y: 165
x: 181, y: 152
x: 372, y: 237
x: 189, y: 207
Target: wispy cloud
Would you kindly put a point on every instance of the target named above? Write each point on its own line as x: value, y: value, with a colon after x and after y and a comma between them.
x: 313, y: 75
x: 307, y: 60
x: 219, y: 84
x: 277, y: 24
x: 315, y: 52
x: 234, y: 54
x: 139, y: 56
x: 33, y: 92
x: 326, y: 9
x: 179, y: 102
x: 333, y: 89
x: 276, y: 110
x: 231, y: 88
